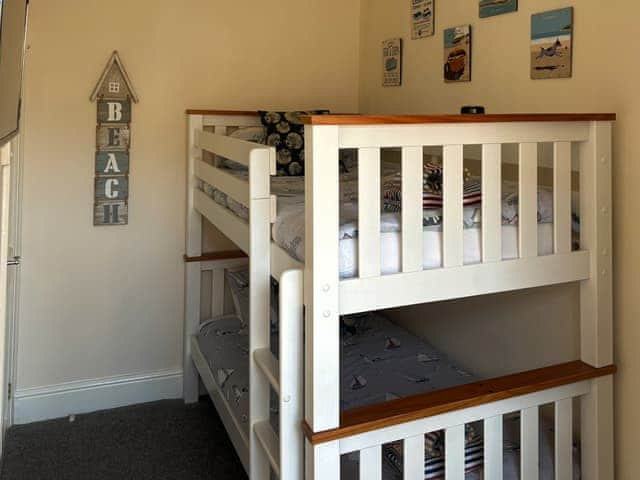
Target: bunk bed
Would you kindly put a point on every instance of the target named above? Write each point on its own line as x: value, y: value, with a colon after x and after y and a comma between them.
x: 317, y: 429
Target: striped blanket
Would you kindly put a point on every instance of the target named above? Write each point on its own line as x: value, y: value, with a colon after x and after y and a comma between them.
x: 434, y: 453
x: 432, y: 191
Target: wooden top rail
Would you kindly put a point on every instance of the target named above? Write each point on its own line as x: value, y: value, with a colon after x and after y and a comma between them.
x: 395, y: 412
x: 422, y: 119
x: 355, y: 119
x: 208, y: 257
x: 222, y: 112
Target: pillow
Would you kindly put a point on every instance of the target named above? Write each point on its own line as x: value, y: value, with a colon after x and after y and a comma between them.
x: 248, y: 134
x: 285, y: 132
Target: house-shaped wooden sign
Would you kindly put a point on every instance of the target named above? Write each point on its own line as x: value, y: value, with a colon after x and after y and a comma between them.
x: 114, y: 95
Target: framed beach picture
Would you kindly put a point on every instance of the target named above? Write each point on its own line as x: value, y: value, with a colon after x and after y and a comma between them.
x: 490, y: 8
x: 422, y: 18
x: 552, y: 44
x: 392, y: 62
x: 457, y: 54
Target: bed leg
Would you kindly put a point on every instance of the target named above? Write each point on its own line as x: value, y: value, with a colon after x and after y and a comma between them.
x: 193, y: 248
x: 190, y: 378
x: 597, y: 431
x: 596, y: 297
x: 322, y: 461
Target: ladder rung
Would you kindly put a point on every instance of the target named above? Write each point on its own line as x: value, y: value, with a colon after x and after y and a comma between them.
x: 269, y: 366
x: 270, y: 443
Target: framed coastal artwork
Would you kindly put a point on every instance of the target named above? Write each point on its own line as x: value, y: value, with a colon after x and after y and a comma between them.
x: 490, y: 8
x: 552, y: 44
x: 457, y: 54
x: 422, y: 18
x: 392, y: 62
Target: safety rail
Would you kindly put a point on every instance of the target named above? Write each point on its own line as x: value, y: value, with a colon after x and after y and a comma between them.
x: 366, y: 430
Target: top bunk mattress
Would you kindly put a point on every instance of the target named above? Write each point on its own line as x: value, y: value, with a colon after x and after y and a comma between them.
x: 288, y: 229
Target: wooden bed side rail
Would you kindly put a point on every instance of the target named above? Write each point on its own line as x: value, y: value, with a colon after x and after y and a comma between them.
x: 240, y: 113
x: 396, y: 412
x: 214, y: 256
x: 347, y: 119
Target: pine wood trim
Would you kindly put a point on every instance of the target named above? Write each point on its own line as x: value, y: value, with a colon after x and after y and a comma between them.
x: 374, y: 417
x: 208, y: 257
x: 422, y: 119
x: 239, y: 113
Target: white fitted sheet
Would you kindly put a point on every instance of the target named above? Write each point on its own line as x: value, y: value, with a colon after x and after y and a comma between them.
x: 391, y: 248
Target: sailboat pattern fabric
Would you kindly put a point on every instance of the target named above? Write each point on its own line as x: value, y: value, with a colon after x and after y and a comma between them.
x: 381, y: 361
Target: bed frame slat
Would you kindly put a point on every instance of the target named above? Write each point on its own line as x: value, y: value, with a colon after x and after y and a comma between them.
x: 232, y: 185
x: 562, y: 197
x: 493, y: 447
x: 371, y: 463
x: 491, y: 203
x: 369, y: 212
x: 452, y: 241
x: 564, y: 439
x: 413, y: 458
x: 529, y: 447
x: 412, y: 171
x: 454, y: 453
x: 528, y: 200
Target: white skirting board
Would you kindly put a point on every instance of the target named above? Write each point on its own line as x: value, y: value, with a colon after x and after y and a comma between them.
x: 56, y: 401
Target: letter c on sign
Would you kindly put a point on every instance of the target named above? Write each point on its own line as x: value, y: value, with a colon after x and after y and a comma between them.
x: 110, y: 190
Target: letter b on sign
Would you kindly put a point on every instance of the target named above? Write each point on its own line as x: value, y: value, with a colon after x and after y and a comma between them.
x: 114, y: 111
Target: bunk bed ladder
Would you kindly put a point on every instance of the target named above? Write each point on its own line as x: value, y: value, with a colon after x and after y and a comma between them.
x: 286, y: 380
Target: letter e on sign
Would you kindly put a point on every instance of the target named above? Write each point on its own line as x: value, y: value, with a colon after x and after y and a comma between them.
x: 113, y: 137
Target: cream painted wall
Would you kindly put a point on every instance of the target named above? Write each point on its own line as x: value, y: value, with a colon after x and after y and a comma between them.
x: 604, y: 80
x: 99, y: 302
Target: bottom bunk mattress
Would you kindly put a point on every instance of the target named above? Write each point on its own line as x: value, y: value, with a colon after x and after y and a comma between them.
x: 380, y: 361
x: 224, y: 342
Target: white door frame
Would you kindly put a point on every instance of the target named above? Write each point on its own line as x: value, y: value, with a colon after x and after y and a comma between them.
x: 5, y: 200
x: 13, y: 279
x: 10, y: 196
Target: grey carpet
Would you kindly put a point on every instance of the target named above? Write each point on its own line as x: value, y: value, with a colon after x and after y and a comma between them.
x: 163, y: 440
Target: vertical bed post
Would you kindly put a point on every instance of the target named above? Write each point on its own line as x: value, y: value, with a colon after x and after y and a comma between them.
x: 321, y: 296
x: 596, y: 309
x: 260, y: 170
x: 192, y: 279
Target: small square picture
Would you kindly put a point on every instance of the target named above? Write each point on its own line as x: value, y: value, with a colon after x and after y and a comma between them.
x: 490, y: 8
x: 392, y: 62
x: 552, y: 44
x: 422, y: 19
x: 457, y: 54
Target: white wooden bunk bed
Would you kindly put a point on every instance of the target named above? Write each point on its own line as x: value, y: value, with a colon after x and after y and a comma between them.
x: 313, y: 434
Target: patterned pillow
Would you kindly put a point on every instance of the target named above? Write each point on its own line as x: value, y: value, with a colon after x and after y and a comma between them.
x: 285, y: 131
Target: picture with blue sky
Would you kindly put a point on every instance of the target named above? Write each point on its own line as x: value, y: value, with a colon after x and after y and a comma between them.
x: 551, y: 44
